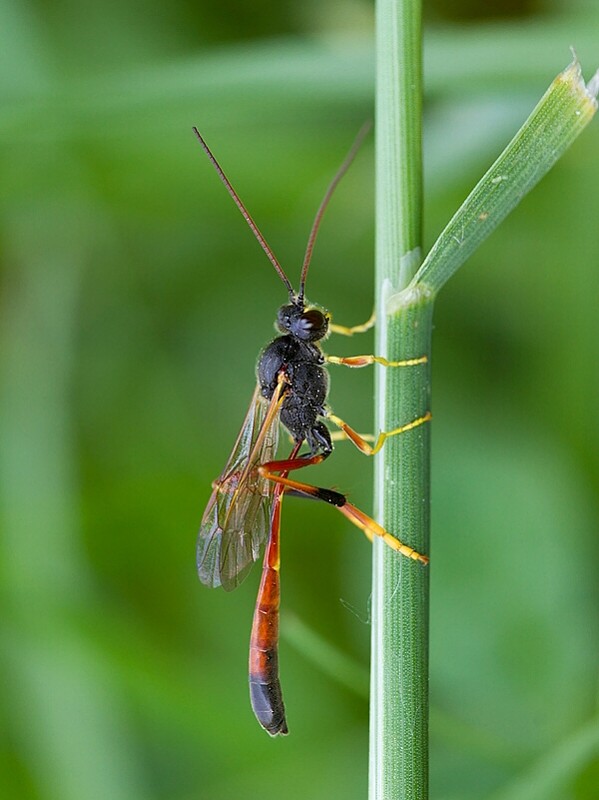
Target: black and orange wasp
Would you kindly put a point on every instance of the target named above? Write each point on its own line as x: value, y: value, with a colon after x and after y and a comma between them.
x: 244, y: 510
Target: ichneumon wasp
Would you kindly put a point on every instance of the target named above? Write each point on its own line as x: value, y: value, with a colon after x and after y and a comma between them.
x: 244, y: 510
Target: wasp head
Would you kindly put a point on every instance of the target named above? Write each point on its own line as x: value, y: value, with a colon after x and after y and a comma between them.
x: 308, y: 325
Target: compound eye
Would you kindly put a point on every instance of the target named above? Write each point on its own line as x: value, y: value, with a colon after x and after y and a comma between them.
x: 312, y: 325
x: 313, y: 320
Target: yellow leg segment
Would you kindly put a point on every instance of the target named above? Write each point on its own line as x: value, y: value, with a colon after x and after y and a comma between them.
x: 363, y: 445
x: 372, y: 529
x: 345, y: 331
x: 339, y: 436
x: 365, y: 361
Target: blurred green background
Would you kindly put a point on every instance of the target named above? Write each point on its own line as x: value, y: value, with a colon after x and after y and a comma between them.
x: 134, y: 303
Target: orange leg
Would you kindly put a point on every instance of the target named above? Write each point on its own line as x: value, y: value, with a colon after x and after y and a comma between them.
x: 359, y: 518
x: 371, y: 528
x: 293, y: 463
x: 369, y: 449
x: 361, y: 441
x: 365, y: 361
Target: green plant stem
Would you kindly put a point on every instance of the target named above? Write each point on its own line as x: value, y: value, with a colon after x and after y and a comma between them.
x: 400, y: 602
x: 399, y: 670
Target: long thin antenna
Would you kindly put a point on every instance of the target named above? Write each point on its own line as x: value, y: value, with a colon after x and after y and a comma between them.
x: 246, y: 215
x: 325, y: 201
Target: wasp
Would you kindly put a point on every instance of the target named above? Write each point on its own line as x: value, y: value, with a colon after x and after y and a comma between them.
x: 244, y: 510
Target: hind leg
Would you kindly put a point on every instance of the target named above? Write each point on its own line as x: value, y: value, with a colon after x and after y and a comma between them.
x: 366, y: 524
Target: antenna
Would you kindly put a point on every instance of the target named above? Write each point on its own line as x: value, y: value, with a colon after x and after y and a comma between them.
x: 254, y: 228
x: 325, y: 201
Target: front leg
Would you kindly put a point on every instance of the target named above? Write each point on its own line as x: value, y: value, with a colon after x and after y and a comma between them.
x: 346, y: 330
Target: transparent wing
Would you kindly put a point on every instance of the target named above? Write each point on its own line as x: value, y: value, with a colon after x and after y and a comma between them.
x: 236, y: 521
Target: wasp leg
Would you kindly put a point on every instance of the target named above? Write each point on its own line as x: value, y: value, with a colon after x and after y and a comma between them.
x: 290, y: 464
x: 361, y: 442
x: 339, y: 436
x: 349, y: 331
x: 366, y: 524
x: 365, y: 361
x: 371, y: 528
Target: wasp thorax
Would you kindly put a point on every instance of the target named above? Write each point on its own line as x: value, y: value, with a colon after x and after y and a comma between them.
x: 309, y: 325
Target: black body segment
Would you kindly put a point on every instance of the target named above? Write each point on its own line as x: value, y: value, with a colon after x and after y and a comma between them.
x: 306, y: 392
x: 267, y: 703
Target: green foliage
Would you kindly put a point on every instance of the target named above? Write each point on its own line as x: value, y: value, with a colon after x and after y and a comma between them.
x: 134, y: 302
x: 560, y: 116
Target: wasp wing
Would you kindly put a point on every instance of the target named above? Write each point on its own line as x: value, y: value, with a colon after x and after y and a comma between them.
x: 236, y: 521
